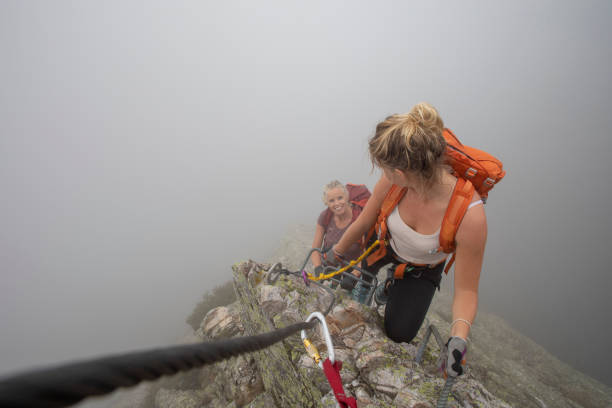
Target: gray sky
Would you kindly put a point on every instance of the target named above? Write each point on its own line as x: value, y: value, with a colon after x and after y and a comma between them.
x: 146, y: 146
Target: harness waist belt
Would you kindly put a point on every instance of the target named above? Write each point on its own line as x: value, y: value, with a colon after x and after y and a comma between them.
x: 404, y: 267
x: 415, y: 265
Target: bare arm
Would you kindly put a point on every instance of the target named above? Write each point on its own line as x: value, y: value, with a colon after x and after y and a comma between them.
x: 366, y: 219
x: 316, y: 243
x: 471, y: 240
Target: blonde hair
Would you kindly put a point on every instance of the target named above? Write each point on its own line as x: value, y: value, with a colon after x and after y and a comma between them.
x: 330, y: 186
x: 411, y: 142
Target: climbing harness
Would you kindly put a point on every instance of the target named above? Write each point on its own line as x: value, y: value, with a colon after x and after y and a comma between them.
x: 330, y: 366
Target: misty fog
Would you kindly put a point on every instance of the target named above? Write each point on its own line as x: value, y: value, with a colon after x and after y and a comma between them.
x: 147, y: 146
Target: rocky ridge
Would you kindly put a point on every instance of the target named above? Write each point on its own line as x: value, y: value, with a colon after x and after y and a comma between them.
x: 504, y: 368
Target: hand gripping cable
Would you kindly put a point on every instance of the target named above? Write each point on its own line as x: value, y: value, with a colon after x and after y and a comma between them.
x: 345, y: 268
x: 331, y: 367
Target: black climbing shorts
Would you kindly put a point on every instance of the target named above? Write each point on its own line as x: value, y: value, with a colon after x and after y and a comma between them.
x: 409, y: 299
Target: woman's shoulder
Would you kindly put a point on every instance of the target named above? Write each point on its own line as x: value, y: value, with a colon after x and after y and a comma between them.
x: 474, y: 223
x: 381, y: 188
x: 451, y: 180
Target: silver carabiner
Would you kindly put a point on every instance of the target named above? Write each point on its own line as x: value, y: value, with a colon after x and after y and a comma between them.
x: 328, y: 341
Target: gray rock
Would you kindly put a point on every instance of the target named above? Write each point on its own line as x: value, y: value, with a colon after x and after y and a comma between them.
x: 281, y: 377
x: 245, y: 383
x: 136, y: 397
x: 166, y: 398
x: 220, y: 323
x: 329, y: 400
x: 272, y: 299
x: 263, y: 400
x: 407, y: 398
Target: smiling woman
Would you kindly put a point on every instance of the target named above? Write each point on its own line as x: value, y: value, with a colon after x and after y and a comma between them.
x: 334, y: 220
x: 344, y: 204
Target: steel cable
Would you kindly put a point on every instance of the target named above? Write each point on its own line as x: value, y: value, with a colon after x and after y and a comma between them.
x: 68, y: 384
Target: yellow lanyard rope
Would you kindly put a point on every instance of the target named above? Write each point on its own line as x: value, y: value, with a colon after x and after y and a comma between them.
x: 350, y: 265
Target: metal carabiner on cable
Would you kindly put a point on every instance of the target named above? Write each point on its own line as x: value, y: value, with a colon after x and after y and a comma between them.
x: 274, y: 273
x: 310, y: 348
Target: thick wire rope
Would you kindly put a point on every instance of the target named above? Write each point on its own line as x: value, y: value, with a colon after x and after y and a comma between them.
x: 68, y: 384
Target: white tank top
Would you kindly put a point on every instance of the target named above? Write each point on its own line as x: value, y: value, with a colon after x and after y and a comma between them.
x: 413, y: 246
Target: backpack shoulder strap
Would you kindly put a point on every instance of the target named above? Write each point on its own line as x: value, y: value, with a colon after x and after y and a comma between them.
x: 393, y: 197
x: 457, y: 207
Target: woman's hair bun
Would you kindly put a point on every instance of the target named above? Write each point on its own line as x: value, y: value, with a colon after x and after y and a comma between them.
x: 411, y: 141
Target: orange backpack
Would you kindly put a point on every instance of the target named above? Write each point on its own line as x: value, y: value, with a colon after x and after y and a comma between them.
x: 475, y: 170
x: 480, y: 168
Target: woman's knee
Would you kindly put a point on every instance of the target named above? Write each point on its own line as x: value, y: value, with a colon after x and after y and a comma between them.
x: 401, y: 333
x: 406, y: 308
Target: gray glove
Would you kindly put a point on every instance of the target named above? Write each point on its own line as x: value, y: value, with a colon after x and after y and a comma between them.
x: 452, y: 356
x: 331, y: 258
x: 318, y: 271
